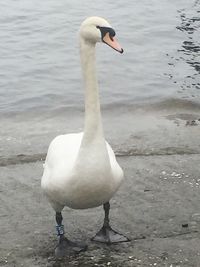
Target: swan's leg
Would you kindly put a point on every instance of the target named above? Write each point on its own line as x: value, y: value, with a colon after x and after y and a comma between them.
x: 107, y: 234
x: 65, y: 246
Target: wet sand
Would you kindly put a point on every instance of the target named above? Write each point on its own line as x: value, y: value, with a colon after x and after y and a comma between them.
x: 157, y: 206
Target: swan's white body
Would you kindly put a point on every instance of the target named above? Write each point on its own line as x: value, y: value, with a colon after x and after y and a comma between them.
x: 81, y: 170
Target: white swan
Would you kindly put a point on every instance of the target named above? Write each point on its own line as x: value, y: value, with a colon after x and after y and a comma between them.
x: 81, y: 170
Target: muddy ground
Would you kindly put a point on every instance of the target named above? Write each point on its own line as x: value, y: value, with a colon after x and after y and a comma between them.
x: 158, y: 207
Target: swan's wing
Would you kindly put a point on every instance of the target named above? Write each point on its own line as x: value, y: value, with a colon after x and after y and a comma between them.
x: 61, y: 156
x: 116, y: 169
x: 63, y: 148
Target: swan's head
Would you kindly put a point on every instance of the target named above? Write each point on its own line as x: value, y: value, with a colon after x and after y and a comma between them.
x: 96, y: 29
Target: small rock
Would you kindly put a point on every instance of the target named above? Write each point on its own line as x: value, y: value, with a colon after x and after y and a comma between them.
x: 147, y: 190
x: 164, y: 256
x: 191, y: 123
x: 196, y: 217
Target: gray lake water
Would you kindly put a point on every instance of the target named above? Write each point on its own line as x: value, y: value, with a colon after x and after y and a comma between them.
x: 40, y: 75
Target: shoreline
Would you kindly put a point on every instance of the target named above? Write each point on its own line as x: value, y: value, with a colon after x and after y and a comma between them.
x: 35, y: 158
x: 159, y: 104
x: 129, y: 132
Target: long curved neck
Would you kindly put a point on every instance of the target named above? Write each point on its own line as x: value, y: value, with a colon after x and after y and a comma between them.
x: 93, y: 126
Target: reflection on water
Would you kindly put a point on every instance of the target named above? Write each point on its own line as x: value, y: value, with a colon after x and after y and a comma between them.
x: 189, y: 52
x: 191, y: 47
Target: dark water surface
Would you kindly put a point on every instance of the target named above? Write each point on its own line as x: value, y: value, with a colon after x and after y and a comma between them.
x: 40, y: 75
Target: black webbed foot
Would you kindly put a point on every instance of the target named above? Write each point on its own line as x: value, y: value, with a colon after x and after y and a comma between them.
x: 109, y: 236
x: 66, y: 247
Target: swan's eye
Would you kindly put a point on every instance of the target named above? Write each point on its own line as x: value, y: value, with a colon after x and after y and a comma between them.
x: 111, y: 33
x: 105, y: 30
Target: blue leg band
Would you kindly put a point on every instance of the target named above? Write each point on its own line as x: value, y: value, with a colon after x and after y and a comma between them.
x: 60, y: 229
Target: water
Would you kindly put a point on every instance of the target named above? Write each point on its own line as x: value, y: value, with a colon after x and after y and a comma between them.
x: 40, y: 75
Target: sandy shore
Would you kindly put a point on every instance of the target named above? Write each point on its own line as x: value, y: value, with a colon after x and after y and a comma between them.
x: 157, y: 205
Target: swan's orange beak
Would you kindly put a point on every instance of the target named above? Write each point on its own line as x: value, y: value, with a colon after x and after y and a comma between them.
x: 112, y: 42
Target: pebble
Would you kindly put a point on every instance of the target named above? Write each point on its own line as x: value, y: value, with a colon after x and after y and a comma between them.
x: 196, y: 216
